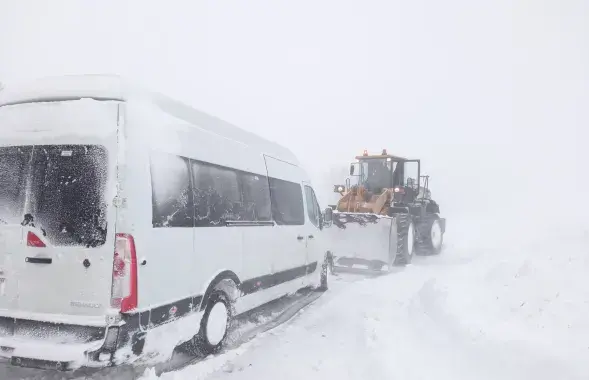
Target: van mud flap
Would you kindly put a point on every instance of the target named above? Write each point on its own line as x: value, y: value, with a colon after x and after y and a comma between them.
x: 361, y: 239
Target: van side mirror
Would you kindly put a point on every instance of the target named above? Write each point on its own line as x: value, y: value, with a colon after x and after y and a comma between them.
x: 352, y: 169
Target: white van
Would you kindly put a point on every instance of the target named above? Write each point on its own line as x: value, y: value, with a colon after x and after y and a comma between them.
x: 130, y: 223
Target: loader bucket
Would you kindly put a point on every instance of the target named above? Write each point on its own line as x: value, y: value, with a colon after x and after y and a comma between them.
x: 362, y: 239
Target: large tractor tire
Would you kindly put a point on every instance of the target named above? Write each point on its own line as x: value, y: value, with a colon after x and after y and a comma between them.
x: 430, y: 235
x: 405, y: 239
x: 325, y: 272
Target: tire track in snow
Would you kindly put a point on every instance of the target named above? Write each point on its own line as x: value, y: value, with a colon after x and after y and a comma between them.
x: 476, y: 351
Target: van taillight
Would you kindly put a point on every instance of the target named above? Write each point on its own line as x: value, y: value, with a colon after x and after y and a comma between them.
x: 124, y: 274
x: 34, y: 241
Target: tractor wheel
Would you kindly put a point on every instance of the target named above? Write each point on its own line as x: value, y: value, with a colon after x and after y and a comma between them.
x: 430, y: 235
x: 405, y: 239
x: 325, y: 272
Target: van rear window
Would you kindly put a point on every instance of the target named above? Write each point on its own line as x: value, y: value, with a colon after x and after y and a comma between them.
x: 58, y: 189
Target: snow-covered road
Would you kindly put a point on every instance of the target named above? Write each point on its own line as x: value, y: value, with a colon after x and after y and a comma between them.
x: 512, y: 307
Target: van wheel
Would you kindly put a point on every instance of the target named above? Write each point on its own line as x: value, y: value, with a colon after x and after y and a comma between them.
x: 215, y: 324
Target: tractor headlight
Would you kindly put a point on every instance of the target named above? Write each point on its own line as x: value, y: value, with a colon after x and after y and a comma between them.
x: 339, y: 188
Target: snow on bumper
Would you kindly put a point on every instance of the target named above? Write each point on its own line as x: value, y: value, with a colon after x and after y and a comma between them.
x: 119, y: 339
x: 63, y: 346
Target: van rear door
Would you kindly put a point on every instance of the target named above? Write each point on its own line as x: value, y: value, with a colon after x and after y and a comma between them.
x: 53, y: 230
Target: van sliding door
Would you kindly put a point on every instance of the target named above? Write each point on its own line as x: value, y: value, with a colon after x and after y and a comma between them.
x: 288, y: 212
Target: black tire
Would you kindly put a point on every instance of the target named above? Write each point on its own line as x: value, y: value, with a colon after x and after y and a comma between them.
x: 202, y: 342
x: 326, y: 270
x: 430, y: 237
x: 405, y: 239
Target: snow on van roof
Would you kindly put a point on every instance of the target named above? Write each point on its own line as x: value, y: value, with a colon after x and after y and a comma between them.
x: 114, y: 87
x: 64, y: 87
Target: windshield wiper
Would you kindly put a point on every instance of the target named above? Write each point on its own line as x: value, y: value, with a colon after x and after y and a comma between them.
x: 30, y: 221
x: 98, y: 238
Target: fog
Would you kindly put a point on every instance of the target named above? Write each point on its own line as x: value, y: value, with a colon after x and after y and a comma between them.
x: 492, y: 96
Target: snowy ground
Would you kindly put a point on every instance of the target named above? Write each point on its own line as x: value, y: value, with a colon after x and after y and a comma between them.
x: 512, y: 307
x: 503, y: 301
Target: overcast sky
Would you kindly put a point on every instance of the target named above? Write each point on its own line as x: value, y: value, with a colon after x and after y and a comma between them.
x: 492, y: 95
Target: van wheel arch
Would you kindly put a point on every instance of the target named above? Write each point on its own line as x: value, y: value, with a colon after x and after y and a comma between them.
x: 224, y: 281
x: 224, y: 288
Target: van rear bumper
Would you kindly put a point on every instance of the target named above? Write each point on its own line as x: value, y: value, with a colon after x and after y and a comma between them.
x: 62, y: 346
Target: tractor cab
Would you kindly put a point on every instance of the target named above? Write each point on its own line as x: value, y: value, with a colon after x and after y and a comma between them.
x: 377, y: 173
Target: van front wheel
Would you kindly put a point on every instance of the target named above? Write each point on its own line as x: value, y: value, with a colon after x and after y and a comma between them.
x: 215, y: 324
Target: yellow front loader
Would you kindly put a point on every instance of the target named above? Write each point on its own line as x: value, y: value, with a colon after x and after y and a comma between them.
x: 385, y: 214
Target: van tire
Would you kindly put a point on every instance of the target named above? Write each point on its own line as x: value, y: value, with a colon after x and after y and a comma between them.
x: 209, y: 339
x: 138, y: 343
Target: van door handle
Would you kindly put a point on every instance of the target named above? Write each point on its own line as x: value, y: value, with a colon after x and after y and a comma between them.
x: 311, y: 236
x: 300, y: 237
x: 39, y: 260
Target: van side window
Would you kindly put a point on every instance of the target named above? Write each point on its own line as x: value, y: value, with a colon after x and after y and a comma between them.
x: 217, y: 197
x: 171, y: 197
x: 287, y: 202
x: 312, y: 206
x: 256, y: 197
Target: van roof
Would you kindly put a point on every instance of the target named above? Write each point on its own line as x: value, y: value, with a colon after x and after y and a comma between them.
x: 114, y: 87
